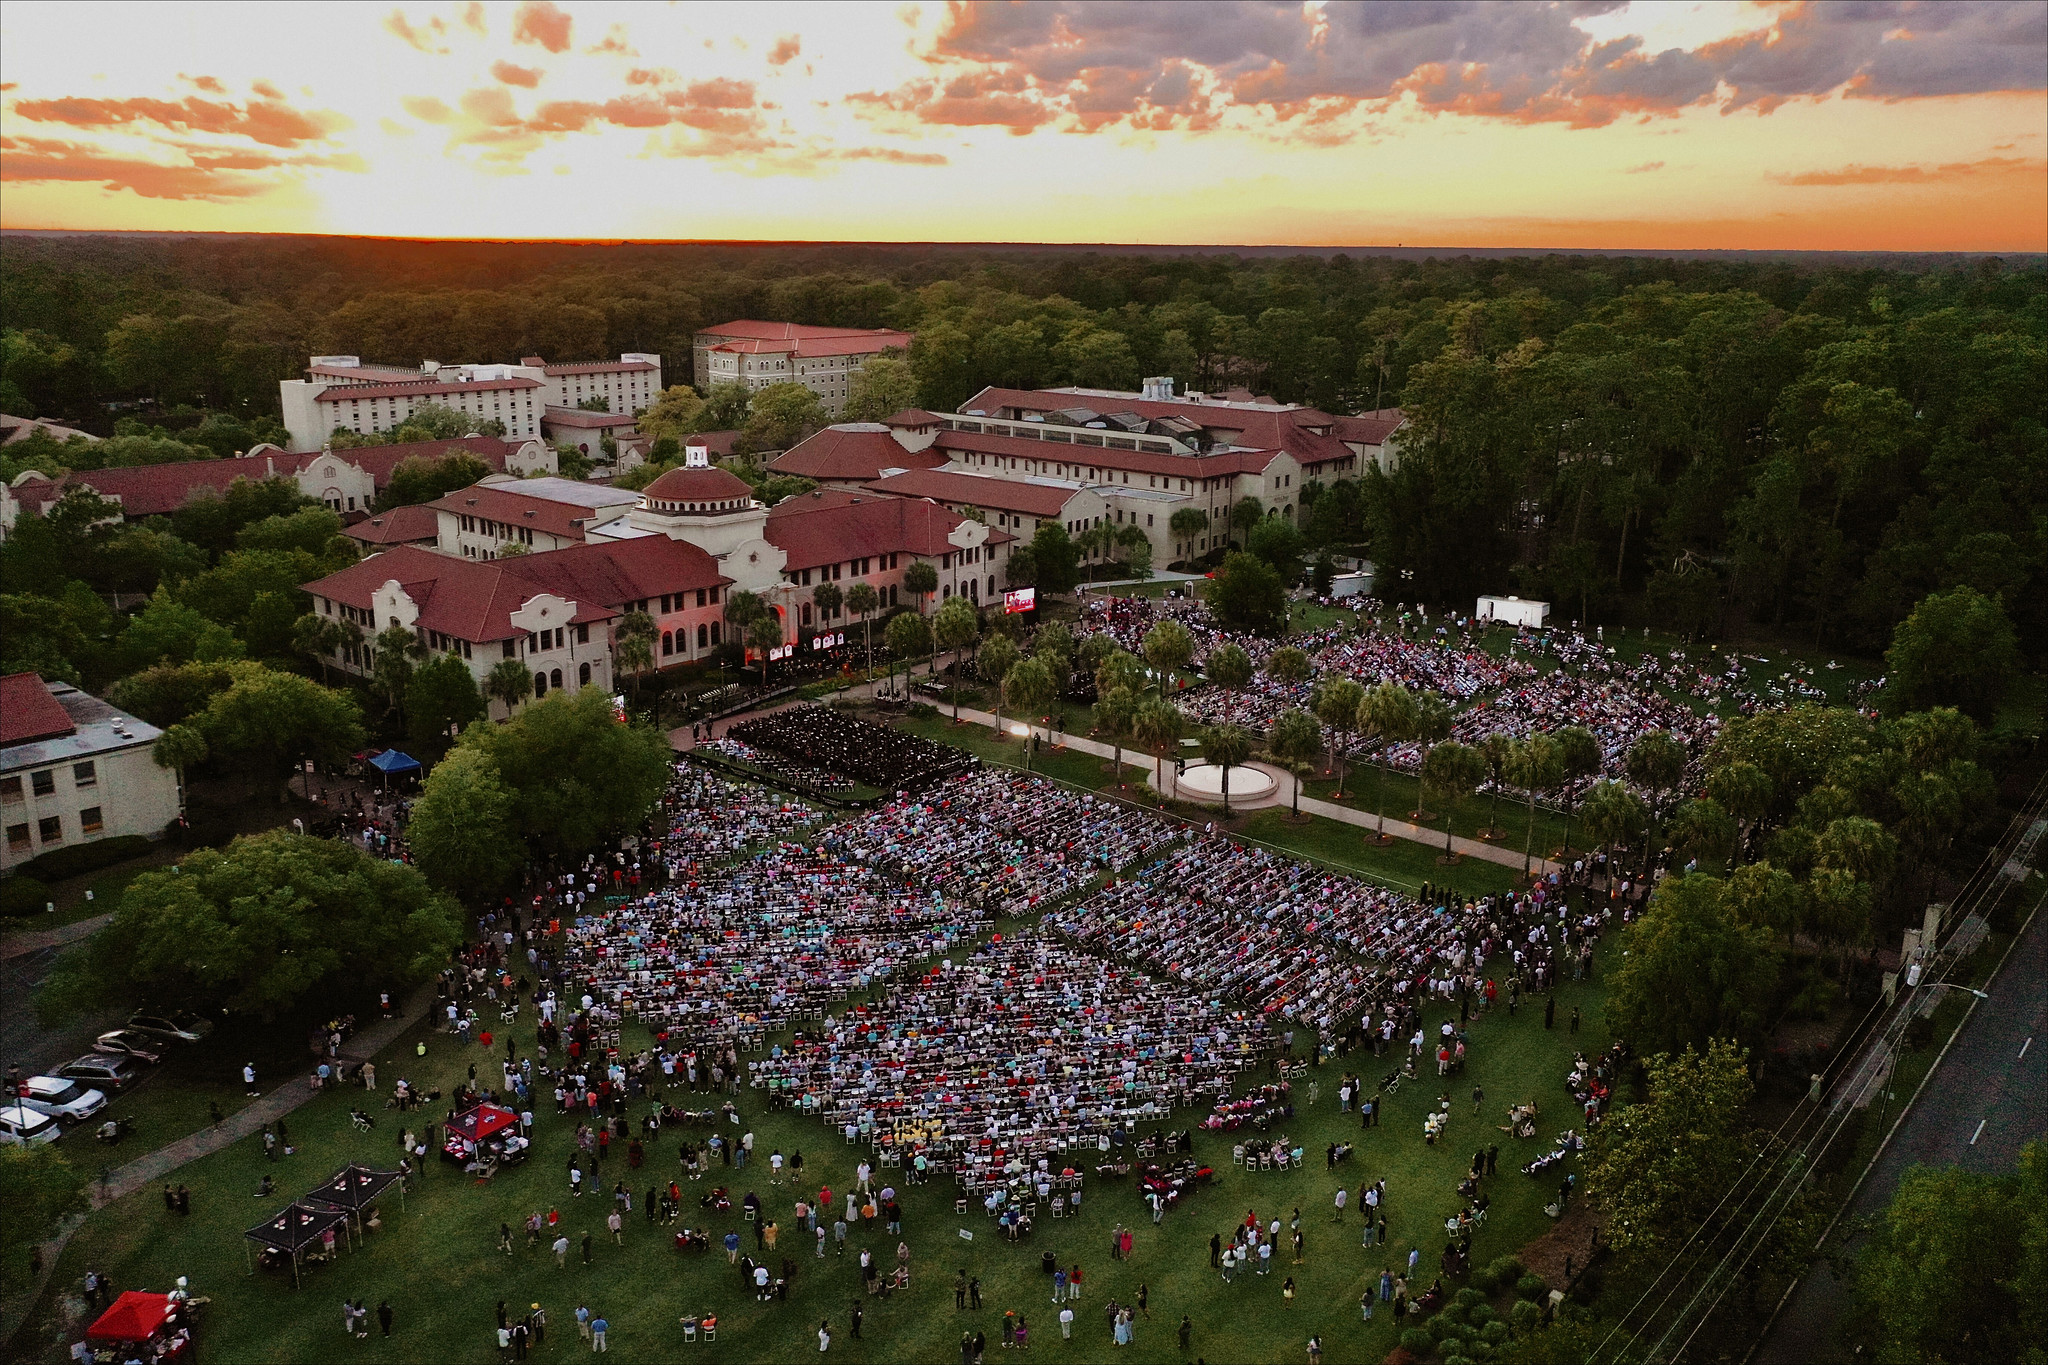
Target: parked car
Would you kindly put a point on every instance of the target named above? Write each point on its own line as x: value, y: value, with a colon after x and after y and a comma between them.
x: 181, y: 1025
x: 105, y: 1070
x: 138, y: 1045
x: 26, y: 1127
x: 61, y: 1098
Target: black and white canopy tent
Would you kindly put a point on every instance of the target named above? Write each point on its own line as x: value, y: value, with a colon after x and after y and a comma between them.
x: 354, y: 1188
x: 296, y: 1230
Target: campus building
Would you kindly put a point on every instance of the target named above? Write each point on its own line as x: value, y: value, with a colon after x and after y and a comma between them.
x: 346, y: 481
x: 340, y: 392
x: 822, y: 359
x: 74, y: 769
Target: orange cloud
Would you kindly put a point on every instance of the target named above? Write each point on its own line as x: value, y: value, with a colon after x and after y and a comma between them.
x: 786, y: 50
x: 210, y: 84
x: 1914, y: 175
x: 473, y: 18
x: 1645, y: 168
x: 427, y: 109
x: 614, y: 44
x: 212, y: 174
x: 270, y: 122
x: 526, y: 77
x: 426, y: 38
x: 541, y: 23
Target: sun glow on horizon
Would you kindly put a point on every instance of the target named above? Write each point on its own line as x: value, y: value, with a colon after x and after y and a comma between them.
x: 1905, y: 127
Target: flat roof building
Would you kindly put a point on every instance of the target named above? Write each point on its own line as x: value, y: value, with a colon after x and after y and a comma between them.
x: 74, y: 769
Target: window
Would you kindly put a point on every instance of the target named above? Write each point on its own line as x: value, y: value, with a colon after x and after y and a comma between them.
x: 715, y: 632
x: 540, y: 684
x: 511, y: 648
x: 668, y: 643
x: 89, y: 820
x: 17, y: 838
x: 703, y: 633
x: 583, y: 632
x: 84, y: 775
x: 10, y: 790
x: 51, y: 829
x: 554, y: 677
x: 583, y: 675
x: 44, y: 782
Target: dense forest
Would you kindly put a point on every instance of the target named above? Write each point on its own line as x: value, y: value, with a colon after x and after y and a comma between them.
x: 1805, y: 445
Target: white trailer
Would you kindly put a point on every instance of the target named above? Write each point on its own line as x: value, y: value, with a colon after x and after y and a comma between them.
x: 1514, y: 611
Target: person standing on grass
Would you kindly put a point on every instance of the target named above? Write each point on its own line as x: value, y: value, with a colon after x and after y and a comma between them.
x: 824, y: 1336
x: 384, y: 1315
x: 598, y: 1326
x: 617, y: 1225
x: 561, y: 1250
x: 1187, y: 1332
x: 249, y: 1080
x: 582, y: 1319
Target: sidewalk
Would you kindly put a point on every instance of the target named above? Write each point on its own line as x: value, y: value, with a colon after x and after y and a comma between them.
x: 1283, y: 795
x: 147, y: 1170
x: 34, y: 941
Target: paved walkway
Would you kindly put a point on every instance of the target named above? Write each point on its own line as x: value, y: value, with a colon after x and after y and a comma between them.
x: 34, y: 941
x: 1283, y: 795
x: 148, y: 1170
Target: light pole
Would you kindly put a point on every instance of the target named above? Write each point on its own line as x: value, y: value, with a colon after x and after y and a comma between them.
x: 1023, y: 732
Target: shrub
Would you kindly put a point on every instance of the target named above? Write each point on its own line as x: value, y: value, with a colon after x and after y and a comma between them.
x: 1496, y: 1331
x: 920, y: 710
x: 23, y: 895
x: 1505, y: 1270
x: 1421, y: 1343
x: 73, y: 859
x: 1531, y: 1287
x: 1525, y: 1316
x: 1468, y: 1297
x: 1441, y: 1326
x: 1481, y: 1315
x: 1483, y: 1280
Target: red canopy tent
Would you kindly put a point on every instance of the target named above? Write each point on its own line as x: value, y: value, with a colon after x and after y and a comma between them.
x: 481, y: 1123
x: 135, y: 1316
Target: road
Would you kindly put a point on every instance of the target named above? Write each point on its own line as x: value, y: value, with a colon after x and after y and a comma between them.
x: 1985, y: 1103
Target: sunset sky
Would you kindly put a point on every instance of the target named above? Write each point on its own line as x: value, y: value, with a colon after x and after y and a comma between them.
x: 1911, y: 127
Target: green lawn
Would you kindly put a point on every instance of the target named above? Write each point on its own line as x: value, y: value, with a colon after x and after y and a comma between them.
x: 1398, y: 794
x: 1401, y: 863
x: 436, y: 1261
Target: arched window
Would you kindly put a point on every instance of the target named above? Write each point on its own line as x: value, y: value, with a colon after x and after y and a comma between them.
x: 583, y: 675
x: 668, y: 643
x: 540, y: 684
x: 555, y: 677
x: 703, y: 633
x: 714, y: 632
x: 974, y: 589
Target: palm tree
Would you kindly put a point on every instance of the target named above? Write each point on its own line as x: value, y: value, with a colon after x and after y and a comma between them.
x: 1656, y: 763
x: 508, y: 682
x: 398, y: 649
x: 1226, y: 746
x: 827, y: 598
x: 1613, y: 813
x: 1186, y: 524
x: 317, y: 637
x: 1289, y: 665
x: 1337, y: 702
x: 908, y: 635
x: 1230, y: 666
x: 1158, y: 724
x: 993, y: 661
x: 1534, y: 764
x: 1168, y: 646
x: 1432, y: 725
x: 1296, y: 741
x: 1579, y: 755
x: 1495, y: 749
x: 1028, y: 686
x: 633, y: 646
x: 920, y: 580
x: 861, y: 600
x: 1451, y: 771
x: 1388, y: 714
x: 764, y: 633
x: 957, y: 626
x: 1114, y: 712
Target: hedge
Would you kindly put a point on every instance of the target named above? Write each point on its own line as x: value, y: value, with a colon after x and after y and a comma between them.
x: 73, y: 859
x: 20, y: 895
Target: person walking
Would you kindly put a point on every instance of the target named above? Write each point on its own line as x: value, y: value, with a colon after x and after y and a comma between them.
x: 824, y: 1336
x: 960, y: 1291
x: 617, y: 1225
x: 249, y: 1080
x: 1315, y: 1351
x: 384, y: 1315
x: 561, y: 1249
x: 586, y: 1246
x: 1144, y: 1297
x: 598, y: 1327
x: 1187, y: 1332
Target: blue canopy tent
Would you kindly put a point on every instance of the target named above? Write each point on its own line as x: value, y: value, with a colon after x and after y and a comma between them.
x: 394, y: 762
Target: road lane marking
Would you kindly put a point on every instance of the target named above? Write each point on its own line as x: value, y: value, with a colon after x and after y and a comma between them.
x: 1980, y: 1131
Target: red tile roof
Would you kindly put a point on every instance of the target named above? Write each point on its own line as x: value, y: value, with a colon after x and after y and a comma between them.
x: 1371, y: 428
x: 426, y: 388
x: 620, y: 571
x: 379, y: 461
x: 577, y: 417
x: 831, y: 525
x: 28, y: 711
x: 707, y: 484
x: 911, y: 417
x: 719, y: 443
x: 977, y: 490
x: 400, y: 526
x: 500, y: 503
x: 157, y: 489
x: 1102, y: 457
x: 469, y: 599
x: 1258, y: 428
x: 850, y: 455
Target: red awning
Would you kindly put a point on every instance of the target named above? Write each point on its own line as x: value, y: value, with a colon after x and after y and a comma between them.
x: 135, y: 1316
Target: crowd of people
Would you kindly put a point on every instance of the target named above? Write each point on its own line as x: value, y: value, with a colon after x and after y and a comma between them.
x: 710, y: 816
x: 1005, y: 1066
x: 878, y: 755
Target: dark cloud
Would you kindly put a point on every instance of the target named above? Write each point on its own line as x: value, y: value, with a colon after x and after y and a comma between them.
x: 1152, y: 64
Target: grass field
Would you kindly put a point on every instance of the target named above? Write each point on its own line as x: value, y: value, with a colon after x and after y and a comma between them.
x: 436, y: 1262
